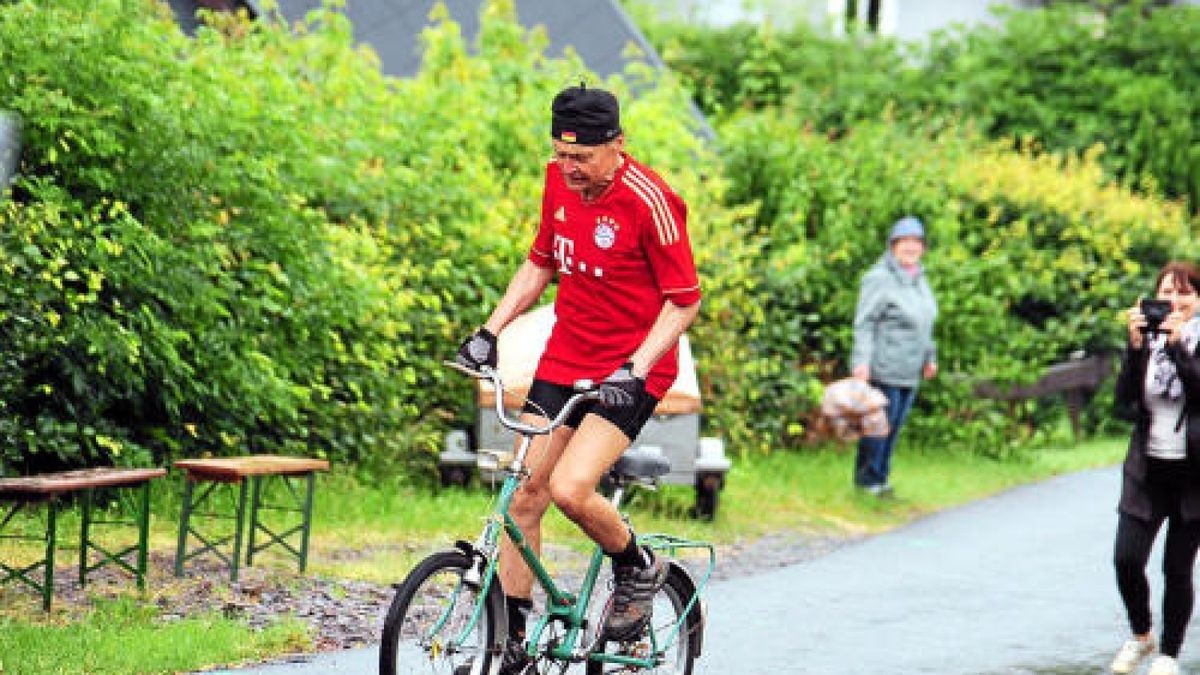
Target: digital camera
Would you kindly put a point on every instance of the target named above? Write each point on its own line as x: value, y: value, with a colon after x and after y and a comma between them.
x: 1155, y: 311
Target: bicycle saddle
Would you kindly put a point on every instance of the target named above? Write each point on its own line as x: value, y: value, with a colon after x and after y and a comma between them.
x: 639, y: 463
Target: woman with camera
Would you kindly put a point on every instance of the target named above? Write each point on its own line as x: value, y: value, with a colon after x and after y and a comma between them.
x: 1159, y: 390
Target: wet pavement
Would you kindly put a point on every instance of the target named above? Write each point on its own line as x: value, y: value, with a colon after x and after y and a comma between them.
x: 1020, y: 583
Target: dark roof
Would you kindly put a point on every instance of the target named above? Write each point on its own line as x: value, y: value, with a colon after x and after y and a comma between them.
x: 598, y: 30
x: 185, y: 10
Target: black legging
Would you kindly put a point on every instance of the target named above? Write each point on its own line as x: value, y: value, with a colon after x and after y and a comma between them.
x: 1165, y: 481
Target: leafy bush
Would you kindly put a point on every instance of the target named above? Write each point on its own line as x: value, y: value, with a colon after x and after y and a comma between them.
x: 178, y: 287
x: 1067, y: 76
x: 254, y: 241
x: 1032, y: 255
x: 829, y: 82
x: 1072, y: 79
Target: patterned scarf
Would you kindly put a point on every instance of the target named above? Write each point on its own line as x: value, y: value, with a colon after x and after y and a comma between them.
x: 1166, y: 381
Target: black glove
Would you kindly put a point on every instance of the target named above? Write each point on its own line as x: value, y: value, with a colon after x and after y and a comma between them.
x: 622, y: 388
x: 477, y: 351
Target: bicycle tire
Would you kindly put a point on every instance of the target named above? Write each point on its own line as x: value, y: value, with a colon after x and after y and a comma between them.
x: 669, y: 604
x: 416, y: 640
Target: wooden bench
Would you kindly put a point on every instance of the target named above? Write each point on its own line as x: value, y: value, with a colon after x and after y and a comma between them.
x: 1076, y: 379
x: 248, y: 473
x: 47, y: 488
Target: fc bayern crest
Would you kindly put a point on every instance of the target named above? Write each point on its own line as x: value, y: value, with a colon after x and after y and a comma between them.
x: 606, y: 232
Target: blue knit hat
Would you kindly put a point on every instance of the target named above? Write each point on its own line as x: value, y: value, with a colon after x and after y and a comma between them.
x: 908, y: 226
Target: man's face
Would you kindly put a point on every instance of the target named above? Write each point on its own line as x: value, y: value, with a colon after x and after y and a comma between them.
x: 587, y: 167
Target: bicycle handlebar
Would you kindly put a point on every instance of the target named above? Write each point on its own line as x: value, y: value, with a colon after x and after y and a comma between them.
x: 586, y: 391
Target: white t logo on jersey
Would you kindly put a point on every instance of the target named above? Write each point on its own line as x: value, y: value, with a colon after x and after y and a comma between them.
x: 564, y: 252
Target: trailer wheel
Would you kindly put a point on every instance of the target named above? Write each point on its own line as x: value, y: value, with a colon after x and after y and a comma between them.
x: 455, y: 475
x: 708, y: 492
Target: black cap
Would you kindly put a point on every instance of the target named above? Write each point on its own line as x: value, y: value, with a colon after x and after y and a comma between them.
x: 585, y: 116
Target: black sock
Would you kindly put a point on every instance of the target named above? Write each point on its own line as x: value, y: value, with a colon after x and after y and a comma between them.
x: 518, y: 610
x: 632, y: 555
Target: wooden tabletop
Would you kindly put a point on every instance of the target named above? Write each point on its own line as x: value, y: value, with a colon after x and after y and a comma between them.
x: 237, y: 468
x: 49, y: 484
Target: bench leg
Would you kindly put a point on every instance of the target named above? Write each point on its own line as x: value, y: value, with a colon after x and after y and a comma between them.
x: 255, y: 498
x: 183, y: 526
x: 143, y: 558
x: 84, y: 527
x: 51, y: 535
x: 308, y: 504
x: 1075, y: 401
x: 300, y: 505
x: 238, y: 532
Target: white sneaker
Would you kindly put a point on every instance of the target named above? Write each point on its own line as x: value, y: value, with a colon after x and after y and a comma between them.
x: 1163, y: 665
x: 1132, y: 653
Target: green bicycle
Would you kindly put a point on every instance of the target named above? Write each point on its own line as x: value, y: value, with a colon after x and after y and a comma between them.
x: 448, y: 615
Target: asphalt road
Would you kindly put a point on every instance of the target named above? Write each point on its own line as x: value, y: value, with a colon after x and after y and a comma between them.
x: 1018, y: 583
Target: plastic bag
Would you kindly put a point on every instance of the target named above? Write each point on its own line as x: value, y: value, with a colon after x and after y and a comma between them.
x: 851, y: 408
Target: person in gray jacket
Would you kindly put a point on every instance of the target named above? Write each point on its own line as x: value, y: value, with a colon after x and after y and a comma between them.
x: 893, y: 343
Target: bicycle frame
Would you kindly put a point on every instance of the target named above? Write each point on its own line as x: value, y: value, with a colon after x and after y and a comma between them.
x: 561, y: 605
x: 570, y: 609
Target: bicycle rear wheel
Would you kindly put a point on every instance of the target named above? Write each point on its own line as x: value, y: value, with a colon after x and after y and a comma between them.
x: 669, y: 605
x: 429, y: 626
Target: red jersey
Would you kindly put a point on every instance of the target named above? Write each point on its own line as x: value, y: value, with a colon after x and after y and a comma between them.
x: 618, y: 260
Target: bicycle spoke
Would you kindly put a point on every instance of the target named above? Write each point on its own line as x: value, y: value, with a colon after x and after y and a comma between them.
x: 433, y: 625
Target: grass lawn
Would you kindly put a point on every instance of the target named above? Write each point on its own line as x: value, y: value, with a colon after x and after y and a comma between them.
x: 807, y: 491
x: 376, y: 534
x: 124, y: 636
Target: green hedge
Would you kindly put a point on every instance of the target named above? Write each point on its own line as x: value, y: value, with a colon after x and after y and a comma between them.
x: 1032, y: 256
x: 1068, y: 76
x: 177, y: 286
x: 253, y: 241
x: 1071, y: 79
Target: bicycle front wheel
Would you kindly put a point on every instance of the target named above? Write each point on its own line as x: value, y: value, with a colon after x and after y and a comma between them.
x: 678, y: 654
x: 438, y: 623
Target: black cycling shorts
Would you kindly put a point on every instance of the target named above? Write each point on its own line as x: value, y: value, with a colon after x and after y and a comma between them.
x: 546, y: 398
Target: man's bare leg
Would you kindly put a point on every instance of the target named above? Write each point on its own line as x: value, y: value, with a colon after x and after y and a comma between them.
x: 585, y: 459
x: 529, y: 505
x: 638, y: 575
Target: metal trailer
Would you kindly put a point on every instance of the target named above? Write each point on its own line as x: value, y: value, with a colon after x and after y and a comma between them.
x: 674, y: 431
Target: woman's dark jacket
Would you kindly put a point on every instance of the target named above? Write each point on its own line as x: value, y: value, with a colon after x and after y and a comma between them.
x: 1130, y: 404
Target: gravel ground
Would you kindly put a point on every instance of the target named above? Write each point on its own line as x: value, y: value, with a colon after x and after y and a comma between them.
x: 343, y: 614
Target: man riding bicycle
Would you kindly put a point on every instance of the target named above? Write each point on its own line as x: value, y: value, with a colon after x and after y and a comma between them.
x: 616, y: 235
